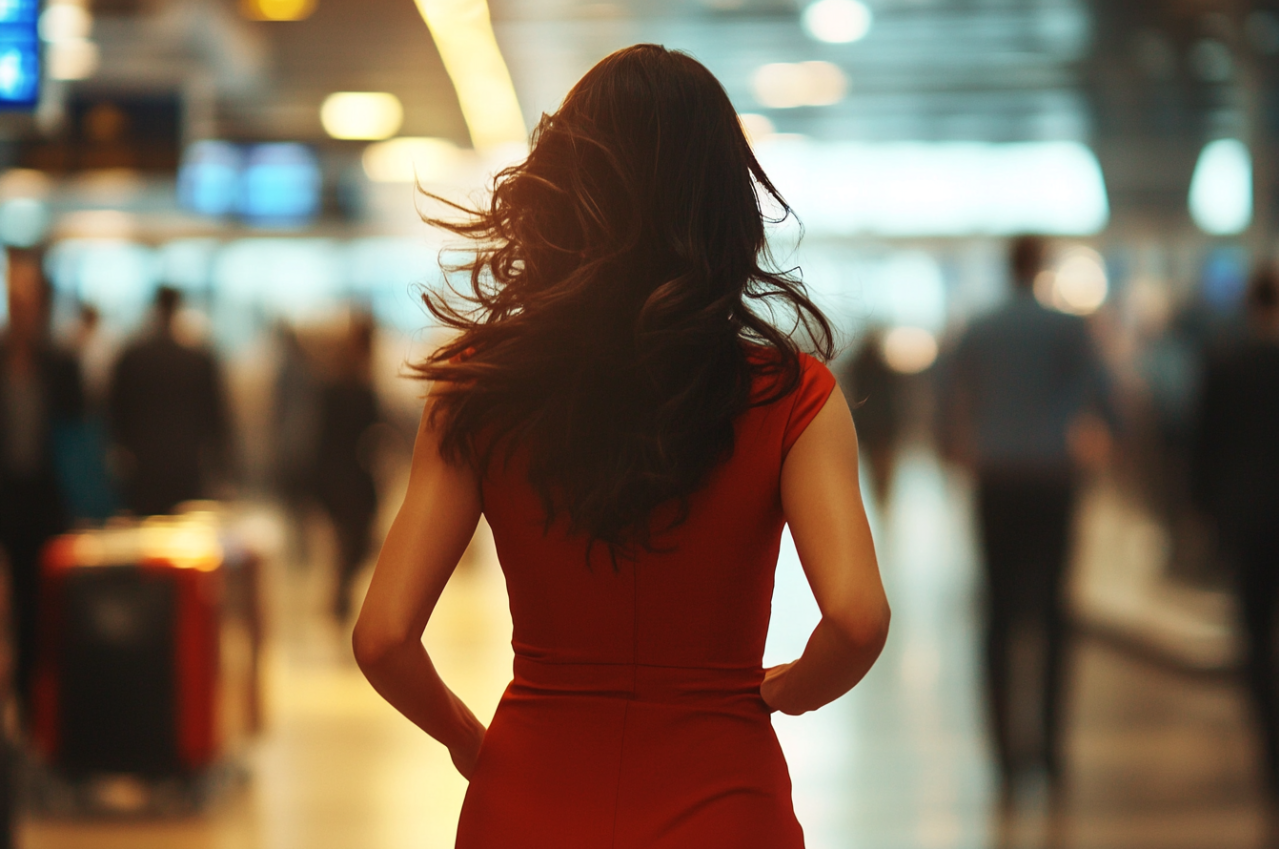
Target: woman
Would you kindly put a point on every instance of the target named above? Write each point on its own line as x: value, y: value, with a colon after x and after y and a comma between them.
x: 636, y: 435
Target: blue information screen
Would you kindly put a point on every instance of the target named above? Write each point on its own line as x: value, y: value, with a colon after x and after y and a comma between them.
x: 275, y: 184
x: 19, y: 54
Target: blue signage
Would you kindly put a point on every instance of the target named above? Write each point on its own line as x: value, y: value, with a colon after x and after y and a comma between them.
x: 281, y: 185
x: 276, y: 184
x: 19, y: 54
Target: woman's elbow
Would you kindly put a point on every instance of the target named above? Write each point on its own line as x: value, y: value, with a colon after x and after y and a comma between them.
x: 865, y: 627
x: 373, y: 642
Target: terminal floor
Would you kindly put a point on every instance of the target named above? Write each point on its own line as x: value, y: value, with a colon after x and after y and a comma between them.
x: 1157, y: 757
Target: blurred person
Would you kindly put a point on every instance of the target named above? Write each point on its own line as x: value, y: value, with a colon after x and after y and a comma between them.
x: 344, y: 484
x: 167, y: 415
x: 1016, y: 402
x: 90, y: 491
x: 1171, y: 366
x: 636, y: 435
x: 96, y: 349
x: 1236, y: 481
x: 295, y: 421
x: 875, y: 390
x: 40, y: 391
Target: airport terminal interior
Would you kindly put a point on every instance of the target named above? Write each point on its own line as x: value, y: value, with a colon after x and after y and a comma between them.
x: 245, y: 182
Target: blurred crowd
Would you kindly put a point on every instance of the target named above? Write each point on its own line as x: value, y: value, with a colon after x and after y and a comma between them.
x: 92, y: 430
x: 1032, y: 401
x: 1035, y: 404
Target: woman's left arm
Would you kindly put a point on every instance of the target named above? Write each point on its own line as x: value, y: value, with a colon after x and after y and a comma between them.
x: 429, y: 535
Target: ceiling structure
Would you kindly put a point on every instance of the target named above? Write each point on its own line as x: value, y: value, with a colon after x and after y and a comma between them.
x: 929, y: 71
x: 1146, y: 83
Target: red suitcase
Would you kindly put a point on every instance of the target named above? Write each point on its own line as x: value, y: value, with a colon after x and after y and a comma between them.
x: 129, y: 671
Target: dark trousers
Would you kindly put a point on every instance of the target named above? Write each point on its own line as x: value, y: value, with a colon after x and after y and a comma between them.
x: 30, y: 513
x: 1255, y: 552
x: 1025, y: 528
x: 348, y: 494
x: 353, y: 538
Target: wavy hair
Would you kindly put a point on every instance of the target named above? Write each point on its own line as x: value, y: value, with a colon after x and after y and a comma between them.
x: 622, y: 302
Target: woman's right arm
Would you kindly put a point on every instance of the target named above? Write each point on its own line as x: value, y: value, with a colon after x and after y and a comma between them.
x: 436, y: 521
x: 822, y: 502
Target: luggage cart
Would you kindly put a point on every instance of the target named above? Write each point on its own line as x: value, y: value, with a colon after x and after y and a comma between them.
x: 146, y: 682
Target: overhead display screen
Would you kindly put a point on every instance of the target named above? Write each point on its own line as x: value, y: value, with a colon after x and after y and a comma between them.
x: 19, y: 54
x: 275, y: 184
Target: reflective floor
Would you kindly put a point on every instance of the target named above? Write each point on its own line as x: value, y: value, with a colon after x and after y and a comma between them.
x: 1157, y: 757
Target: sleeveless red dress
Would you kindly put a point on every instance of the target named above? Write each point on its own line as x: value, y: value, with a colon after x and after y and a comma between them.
x: 634, y: 719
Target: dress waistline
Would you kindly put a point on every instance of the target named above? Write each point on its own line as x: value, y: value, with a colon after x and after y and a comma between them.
x: 636, y: 682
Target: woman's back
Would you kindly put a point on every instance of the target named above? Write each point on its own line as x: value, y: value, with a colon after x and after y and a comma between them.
x: 620, y: 405
x: 613, y: 731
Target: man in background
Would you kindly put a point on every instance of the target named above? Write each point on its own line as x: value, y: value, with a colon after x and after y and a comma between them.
x: 167, y: 416
x: 344, y: 483
x: 40, y: 391
x: 874, y: 391
x: 1235, y: 480
x: 1017, y: 390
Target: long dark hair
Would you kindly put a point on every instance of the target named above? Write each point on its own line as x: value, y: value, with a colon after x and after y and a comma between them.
x: 621, y: 302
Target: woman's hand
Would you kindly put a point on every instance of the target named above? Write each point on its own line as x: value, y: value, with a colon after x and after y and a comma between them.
x: 465, y: 751
x: 770, y: 687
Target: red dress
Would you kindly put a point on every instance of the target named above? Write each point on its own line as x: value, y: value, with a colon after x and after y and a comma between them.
x: 634, y: 719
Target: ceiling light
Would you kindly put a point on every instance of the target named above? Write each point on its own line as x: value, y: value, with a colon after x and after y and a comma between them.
x: 782, y: 85
x: 825, y: 83
x: 939, y: 188
x: 364, y: 115
x: 837, y: 21
x: 1221, y: 188
x: 75, y: 59
x: 463, y: 33
x: 65, y: 22
x: 409, y: 160
x: 277, y: 10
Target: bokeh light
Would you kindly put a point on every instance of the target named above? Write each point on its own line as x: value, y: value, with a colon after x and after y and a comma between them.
x: 407, y: 160
x: 1221, y: 188
x: 909, y: 350
x: 65, y: 22
x: 837, y: 21
x: 1078, y: 285
x: 786, y: 85
x: 277, y: 10
x: 361, y: 115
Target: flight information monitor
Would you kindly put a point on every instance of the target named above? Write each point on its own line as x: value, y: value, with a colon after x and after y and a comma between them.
x: 19, y: 54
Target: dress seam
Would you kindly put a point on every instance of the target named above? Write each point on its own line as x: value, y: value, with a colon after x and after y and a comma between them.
x: 634, y: 621
x: 617, y: 791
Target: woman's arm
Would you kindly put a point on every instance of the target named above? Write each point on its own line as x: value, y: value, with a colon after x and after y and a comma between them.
x: 823, y: 505
x: 428, y: 537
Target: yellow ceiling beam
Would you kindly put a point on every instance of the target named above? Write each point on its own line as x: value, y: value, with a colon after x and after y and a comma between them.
x: 463, y: 33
